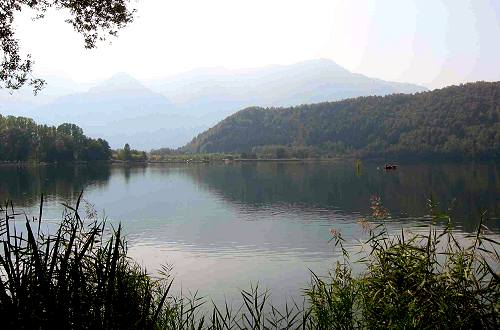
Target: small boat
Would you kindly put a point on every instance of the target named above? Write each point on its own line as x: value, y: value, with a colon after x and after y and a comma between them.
x: 391, y: 166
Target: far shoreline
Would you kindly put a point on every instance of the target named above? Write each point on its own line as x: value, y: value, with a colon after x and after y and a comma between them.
x: 228, y: 161
x: 171, y: 161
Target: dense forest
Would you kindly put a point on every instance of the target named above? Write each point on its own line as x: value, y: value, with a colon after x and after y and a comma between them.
x: 21, y: 139
x: 456, y: 121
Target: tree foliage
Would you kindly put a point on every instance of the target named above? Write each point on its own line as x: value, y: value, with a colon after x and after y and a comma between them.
x: 457, y: 121
x: 94, y: 20
x: 21, y: 139
x: 130, y: 155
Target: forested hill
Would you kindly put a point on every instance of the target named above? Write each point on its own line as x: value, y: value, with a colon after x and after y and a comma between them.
x: 21, y: 139
x: 456, y: 121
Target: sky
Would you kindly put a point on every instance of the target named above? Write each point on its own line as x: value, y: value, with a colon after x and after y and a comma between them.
x: 428, y: 42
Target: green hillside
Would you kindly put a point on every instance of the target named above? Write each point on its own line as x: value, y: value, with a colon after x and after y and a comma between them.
x: 456, y: 121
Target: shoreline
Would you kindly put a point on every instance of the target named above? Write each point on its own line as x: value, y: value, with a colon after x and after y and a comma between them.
x: 187, y: 161
x: 242, y: 160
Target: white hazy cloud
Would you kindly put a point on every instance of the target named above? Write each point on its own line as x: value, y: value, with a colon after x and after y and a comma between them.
x: 429, y: 42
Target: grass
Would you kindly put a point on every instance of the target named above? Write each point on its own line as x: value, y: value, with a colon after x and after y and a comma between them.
x: 75, y: 279
x: 80, y: 277
x: 412, y: 281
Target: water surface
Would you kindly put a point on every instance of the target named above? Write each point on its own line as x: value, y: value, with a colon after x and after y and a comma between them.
x: 223, y: 227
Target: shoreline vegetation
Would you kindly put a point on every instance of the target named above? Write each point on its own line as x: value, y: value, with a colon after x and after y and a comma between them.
x: 185, y: 160
x: 151, y: 162
x: 80, y: 277
x: 236, y: 158
x: 180, y: 158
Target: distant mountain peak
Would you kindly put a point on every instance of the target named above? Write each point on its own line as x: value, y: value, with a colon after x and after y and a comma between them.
x: 322, y: 64
x: 321, y: 61
x: 120, y: 82
x: 122, y: 77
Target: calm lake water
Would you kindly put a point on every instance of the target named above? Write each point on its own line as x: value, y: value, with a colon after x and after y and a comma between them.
x: 224, y: 227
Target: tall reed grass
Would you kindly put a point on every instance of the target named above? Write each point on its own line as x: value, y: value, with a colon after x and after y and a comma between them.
x: 80, y: 277
x: 430, y: 280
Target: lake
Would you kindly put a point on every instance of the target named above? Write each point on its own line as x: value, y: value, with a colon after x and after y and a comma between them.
x: 224, y: 227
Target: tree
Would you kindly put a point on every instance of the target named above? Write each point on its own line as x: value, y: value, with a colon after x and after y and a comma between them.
x: 21, y: 139
x: 127, y: 155
x: 94, y: 20
x: 97, y: 150
x: 280, y: 153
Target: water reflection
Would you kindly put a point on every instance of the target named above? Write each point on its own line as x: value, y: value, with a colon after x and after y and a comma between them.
x: 468, y: 188
x: 25, y: 184
x: 224, y: 226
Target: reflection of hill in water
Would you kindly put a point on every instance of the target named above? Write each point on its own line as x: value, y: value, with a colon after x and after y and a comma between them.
x: 25, y: 184
x: 303, y: 189
x: 404, y: 192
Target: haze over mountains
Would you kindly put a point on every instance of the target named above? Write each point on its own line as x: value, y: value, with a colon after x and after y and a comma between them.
x: 169, y: 112
x: 456, y: 122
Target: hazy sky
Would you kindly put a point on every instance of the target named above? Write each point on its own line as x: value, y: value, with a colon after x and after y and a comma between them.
x: 429, y: 42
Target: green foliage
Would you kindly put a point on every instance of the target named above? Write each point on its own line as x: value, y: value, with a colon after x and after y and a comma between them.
x: 413, y: 281
x: 457, y: 121
x: 408, y: 286
x: 163, y: 152
x: 332, y: 304
x: 178, y: 155
x: 21, y: 139
x: 77, y: 278
x: 127, y: 155
x: 130, y: 155
x: 94, y: 20
x: 282, y: 152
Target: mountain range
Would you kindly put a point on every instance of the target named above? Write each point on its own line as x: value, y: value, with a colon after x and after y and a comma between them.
x: 456, y: 121
x: 168, y: 112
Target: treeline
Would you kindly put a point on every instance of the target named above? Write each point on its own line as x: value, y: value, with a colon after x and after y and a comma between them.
x: 180, y: 155
x: 457, y: 121
x: 130, y: 155
x: 165, y: 152
x: 21, y: 139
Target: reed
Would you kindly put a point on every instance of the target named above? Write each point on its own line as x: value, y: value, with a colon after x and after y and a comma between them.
x: 412, y: 281
x: 80, y: 277
x: 73, y: 279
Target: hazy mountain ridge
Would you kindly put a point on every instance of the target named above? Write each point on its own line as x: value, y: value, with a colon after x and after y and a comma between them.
x: 23, y: 100
x: 457, y: 121
x: 121, y: 110
x: 170, y: 111
x: 275, y: 85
